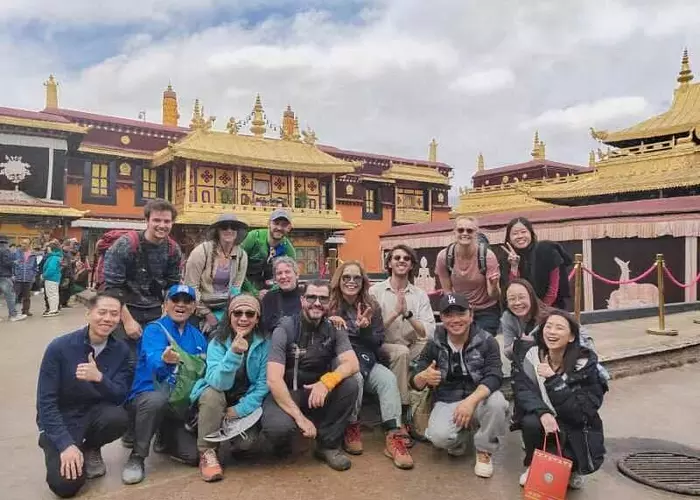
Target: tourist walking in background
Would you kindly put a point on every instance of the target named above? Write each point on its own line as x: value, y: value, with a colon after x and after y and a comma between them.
x: 52, y: 277
x: 559, y: 388
x: 26, y: 268
x: 470, y: 268
x: 284, y: 299
x: 262, y: 247
x: 216, y: 269
x: 544, y: 264
x: 7, y: 286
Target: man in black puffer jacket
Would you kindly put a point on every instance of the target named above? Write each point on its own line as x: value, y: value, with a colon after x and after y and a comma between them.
x: 462, y: 364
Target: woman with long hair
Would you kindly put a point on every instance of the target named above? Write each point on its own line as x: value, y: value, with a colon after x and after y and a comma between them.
x: 235, y: 383
x: 543, y: 263
x: 521, y: 317
x: 559, y: 389
x: 354, y: 308
x: 216, y: 269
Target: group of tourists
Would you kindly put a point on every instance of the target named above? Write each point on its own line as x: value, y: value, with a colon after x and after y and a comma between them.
x: 235, y: 350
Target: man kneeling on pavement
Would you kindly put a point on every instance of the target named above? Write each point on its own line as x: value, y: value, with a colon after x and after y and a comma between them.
x: 306, y: 391
x: 462, y: 365
x: 154, y: 376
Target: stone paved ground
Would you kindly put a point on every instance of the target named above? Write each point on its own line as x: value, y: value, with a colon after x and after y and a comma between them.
x: 652, y: 411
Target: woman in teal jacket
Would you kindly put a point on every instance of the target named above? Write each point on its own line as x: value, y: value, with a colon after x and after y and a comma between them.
x: 235, y: 383
x: 52, y: 277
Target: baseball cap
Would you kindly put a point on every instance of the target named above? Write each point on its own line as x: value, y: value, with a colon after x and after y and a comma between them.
x: 178, y: 289
x: 281, y: 213
x: 456, y: 300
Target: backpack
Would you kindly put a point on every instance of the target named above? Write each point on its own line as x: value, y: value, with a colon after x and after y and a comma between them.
x: 483, y: 243
x: 107, y: 241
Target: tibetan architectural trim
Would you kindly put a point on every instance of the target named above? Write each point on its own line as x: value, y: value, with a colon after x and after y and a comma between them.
x: 118, y: 152
x: 501, y: 198
x: 42, y: 124
x: 402, y: 172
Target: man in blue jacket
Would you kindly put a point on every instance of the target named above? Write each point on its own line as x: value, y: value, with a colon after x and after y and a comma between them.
x: 83, y: 381
x: 154, y: 376
x: 26, y: 268
x: 7, y: 287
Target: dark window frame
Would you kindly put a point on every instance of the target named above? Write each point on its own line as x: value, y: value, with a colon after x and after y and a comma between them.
x: 377, y: 214
x: 111, y: 197
x: 139, y: 200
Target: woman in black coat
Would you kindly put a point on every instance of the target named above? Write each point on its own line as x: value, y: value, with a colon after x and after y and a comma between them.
x: 558, y: 388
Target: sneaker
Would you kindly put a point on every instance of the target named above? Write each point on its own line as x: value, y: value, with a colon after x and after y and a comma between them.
x: 233, y: 427
x: 335, y: 458
x: 51, y: 313
x: 209, y: 466
x: 524, y: 476
x: 134, y: 470
x: 396, y: 450
x: 406, y: 434
x: 94, y: 465
x: 352, y: 442
x: 576, y: 481
x: 18, y: 317
x: 484, y: 465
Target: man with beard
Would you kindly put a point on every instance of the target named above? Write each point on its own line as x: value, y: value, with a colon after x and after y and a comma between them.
x: 306, y: 392
x: 285, y: 299
x: 408, y: 316
x: 155, y: 375
x: 262, y: 247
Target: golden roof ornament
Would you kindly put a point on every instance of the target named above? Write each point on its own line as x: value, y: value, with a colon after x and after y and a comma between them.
x: 432, y: 150
x: 296, y: 135
x: 198, y: 122
x: 288, y: 120
x: 591, y: 159
x: 309, y: 136
x: 232, y: 126
x: 51, y: 93
x: 258, y: 125
x: 537, y: 148
x: 169, y: 111
x: 685, y: 76
x: 480, y: 163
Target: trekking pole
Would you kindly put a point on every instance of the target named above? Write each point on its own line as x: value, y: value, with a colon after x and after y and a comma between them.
x: 578, y: 280
x: 661, y: 330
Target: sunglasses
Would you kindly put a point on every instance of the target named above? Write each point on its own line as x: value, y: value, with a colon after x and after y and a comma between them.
x: 468, y: 230
x: 181, y: 299
x: 404, y: 258
x: 355, y: 279
x: 225, y: 227
x: 249, y: 313
x: 323, y: 299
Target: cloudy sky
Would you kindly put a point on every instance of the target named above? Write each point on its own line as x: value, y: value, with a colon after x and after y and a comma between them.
x: 383, y: 76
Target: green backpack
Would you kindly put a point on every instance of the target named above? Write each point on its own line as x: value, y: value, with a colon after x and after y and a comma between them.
x: 187, y: 373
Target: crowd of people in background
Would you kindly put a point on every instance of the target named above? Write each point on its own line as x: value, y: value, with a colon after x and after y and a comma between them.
x: 233, y: 349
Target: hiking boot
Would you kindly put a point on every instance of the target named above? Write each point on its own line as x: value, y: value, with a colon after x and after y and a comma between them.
x: 94, y: 465
x: 405, y: 433
x: 395, y: 449
x: 484, y: 465
x: 352, y: 442
x: 209, y: 466
x: 335, y: 458
x: 576, y: 481
x: 134, y: 470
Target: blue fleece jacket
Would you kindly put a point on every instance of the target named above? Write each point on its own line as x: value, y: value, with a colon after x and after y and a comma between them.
x: 52, y: 266
x: 150, y: 368
x: 222, y: 365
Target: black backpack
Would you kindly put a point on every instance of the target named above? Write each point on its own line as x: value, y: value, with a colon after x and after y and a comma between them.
x: 483, y: 243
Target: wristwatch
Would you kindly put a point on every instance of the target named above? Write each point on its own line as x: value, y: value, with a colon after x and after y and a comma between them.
x: 408, y: 315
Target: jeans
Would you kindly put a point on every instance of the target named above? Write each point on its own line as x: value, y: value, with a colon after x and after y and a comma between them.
x: 23, y: 289
x: 330, y: 420
x: 7, y: 289
x: 382, y: 382
x: 488, y: 319
x: 106, y: 423
x: 491, y: 416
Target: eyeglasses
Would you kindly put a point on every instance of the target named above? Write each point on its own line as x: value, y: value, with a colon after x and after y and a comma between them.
x: 249, y: 313
x: 355, y: 279
x: 468, y: 230
x: 405, y: 258
x: 323, y: 299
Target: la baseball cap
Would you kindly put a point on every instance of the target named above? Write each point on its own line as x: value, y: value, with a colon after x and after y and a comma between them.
x: 456, y: 300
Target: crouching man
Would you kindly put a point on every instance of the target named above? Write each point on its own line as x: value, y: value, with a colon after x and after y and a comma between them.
x: 463, y: 366
x: 306, y: 393
x: 155, y: 375
x: 83, y: 381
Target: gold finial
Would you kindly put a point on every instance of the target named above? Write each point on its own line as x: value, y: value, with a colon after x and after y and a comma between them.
x: 591, y: 159
x: 480, y: 163
x: 287, y: 129
x: 257, y: 126
x: 309, y: 136
x: 170, y: 111
x: 232, y: 126
x: 198, y: 122
x: 685, y: 76
x: 296, y: 135
x: 51, y: 92
x: 537, y: 148
x: 432, y: 150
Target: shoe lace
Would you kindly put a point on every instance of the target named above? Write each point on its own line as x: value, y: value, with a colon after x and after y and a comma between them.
x: 398, y: 444
x: 483, y: 457
x: 209, y: 458
x: 353, y: 432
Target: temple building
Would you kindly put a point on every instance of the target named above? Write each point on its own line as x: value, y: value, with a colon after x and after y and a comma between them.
x: 108, y: 167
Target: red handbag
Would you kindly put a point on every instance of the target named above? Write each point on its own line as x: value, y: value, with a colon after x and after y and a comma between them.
x: 549, y: 474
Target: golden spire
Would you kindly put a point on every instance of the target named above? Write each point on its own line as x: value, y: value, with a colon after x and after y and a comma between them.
x: 257, y: 126
x: 197, y: 121
x: 296, y: 135
x: 287, y: 130
x: 170, y: 112
x: 591, y: 159
x: 432, y: 150
x: 537, y: 148
x: 51, y: 93
x: 480, y: 163
x: 685, y: 75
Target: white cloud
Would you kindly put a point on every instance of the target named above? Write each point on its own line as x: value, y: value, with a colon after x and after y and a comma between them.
x: 483, y: 82
x: 589, y: 114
